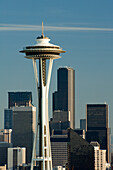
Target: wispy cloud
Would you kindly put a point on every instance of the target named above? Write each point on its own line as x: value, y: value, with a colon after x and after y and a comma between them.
x: 15, y: 27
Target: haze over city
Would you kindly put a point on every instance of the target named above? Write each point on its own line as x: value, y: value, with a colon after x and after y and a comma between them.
x: 84, y: 29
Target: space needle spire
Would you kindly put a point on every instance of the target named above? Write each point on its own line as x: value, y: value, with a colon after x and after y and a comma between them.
x: 42, y: 30
x: 44, y: 52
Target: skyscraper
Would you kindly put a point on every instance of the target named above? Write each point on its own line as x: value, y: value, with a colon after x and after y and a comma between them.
x: 24, y: 124
x: 64, y: 97
x: 19, y: 99
x: 15, y: 99
x: 97, y: 126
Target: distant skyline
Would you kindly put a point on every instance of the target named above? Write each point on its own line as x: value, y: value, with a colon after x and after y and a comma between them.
x: 84, y: 29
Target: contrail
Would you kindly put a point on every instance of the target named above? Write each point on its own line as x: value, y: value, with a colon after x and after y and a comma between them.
x: 16, y: 27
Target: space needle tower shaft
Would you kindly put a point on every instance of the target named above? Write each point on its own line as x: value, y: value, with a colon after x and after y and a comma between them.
x: 44, y: 52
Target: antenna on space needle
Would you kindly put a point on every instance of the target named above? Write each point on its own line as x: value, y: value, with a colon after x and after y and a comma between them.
x: 42, y: 30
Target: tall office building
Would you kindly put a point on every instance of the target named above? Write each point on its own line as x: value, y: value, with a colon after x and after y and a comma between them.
x: 19, y: 99
x: 97, y: 126
x: 15, y: 99
x: 24, y: 124
x: 16, y: 157
x: 64, y: 97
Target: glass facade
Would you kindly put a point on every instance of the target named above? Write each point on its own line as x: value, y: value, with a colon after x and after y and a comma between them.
x: 24, y: 124
x: 97, y: 126
x: 8, y: 119
x: 19, y: 99
x: 64, y: 97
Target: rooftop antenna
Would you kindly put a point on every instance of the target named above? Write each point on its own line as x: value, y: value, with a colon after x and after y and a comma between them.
x: 42, y: 30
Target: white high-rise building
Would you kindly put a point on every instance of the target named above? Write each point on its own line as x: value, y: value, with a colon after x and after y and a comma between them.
x: 99, y: 157
x: 16, y: 157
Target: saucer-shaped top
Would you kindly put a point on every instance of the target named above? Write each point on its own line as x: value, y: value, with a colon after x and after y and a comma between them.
x: 42, y: 49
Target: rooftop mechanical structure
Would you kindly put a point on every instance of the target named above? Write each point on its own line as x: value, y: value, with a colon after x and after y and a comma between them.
x: 42, y: 51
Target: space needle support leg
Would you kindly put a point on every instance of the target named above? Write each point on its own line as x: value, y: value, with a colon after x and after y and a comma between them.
x: 42, y: 98
x: 49, y: 163
x: 46, y: 149
x: 44, y: 90
x: 36, y: 130
x: 49, y: 74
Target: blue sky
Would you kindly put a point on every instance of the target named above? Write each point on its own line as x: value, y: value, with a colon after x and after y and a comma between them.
x: 83, y: 28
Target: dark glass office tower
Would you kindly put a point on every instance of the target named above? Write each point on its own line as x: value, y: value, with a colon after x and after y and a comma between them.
x: 64, y: 97
x: 19, y: 99
x: 21, y: 118
x: 24, y: 124
x: 97, y: 126
x: 8, y: 119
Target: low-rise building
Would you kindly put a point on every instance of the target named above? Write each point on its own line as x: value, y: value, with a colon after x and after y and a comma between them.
x: 99, y: 157
x: 3, y: 152
x: 3, y: 167
x: 5, y: 135
x: 16, y: 157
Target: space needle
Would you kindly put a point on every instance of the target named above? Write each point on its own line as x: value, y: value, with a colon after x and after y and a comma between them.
x: 44, y: 52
